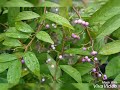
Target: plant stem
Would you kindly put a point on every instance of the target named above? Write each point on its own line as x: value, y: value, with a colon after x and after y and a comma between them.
x: 39, y: 28
x: 3, y: 25
x: 109, y: 38
x: 76, y: 12
x: 91, y: 40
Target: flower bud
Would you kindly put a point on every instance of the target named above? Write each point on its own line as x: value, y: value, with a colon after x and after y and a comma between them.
x: 74, y: 35
x: 47, y: 26
x: 86, y: 57
x: 99, y: 75
x: 104, y: 77
x: 48, y: 60
x: 52, y: 66
x: 43, y: 79
x: 25, y: 69
x: 94, y: 69
x: 86, y: 24
x: 94, y: 53
x: 79, y: 21
x: 60, y: 57
x: 75, y: 21
x: 22, y: 61
x: 83, y: 60
x: 83, y: 22
x: 88, y: 60
x: 95, y: 58
x: 84, y: 48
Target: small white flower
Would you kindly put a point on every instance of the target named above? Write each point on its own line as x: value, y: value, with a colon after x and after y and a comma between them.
x: 52, y: 45
x: 52, y: 66
x: 48, y: 51
x: 46, y: 11
x: 80, y: 21
x: 71, y: 54
x: 48, y: 60
x: 53, y: 24
x: 56, y: 9
x: 60, y: 56
x: 25, y: 69
x: 43, y: 79
x: 53, y: 48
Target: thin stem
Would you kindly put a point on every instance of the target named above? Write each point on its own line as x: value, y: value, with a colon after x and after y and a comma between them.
x: 91, y: 40
x: 76, y: 12
x: 29, y: 44
x: 38, y: 29
x: 86, y: 27
x: 109, y: 38
x: 44, y: 10
x: 3, y: 25
x: 62, y: 51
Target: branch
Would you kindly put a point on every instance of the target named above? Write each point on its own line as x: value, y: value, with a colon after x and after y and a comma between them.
x: 86, y: 27
x: 76, y: 12
x: 39, y: 28
x: 91, y: 40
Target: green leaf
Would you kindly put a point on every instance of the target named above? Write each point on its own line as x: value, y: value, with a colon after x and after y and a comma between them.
x: 48, y: 4
x: 42, y: 35
x: 12, y: 13
x: 53, y: 70
x: 77, y: 51
x: 2, y: 36
x: 32, y: 62
x: 14, y: 72
x: 3, y: 80
x: 108, y: 27
x: 110, y: 48
x: 87, y: 78
x: 58, y: 19
x: 116, y: 33
x: 66, y: 3
x: 72, y: 72
x: 5, y: 57
x: 113, y: 67
x: 12, y: 32
x: 17, y: 35
x: 81, y: 86
x: 117, y: 78
x: 12, y: 42
x: 4, y: 86
x: 23, y: 27
x: 2, y: 2
x: 25, y: 15
x: 4, y: 66
x: 16, y: 3
x: 84, y: 68
x: 104, y: 12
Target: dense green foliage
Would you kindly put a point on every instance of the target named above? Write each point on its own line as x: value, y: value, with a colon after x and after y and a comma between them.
x: 61, y: 45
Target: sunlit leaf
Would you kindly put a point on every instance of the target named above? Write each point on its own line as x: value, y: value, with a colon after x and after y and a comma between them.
x: 25, y: 15
x: 32, y: 63
x: 72, y: 72
x: 42, y: 35
x: 5, y: 57
x: 14, y: 72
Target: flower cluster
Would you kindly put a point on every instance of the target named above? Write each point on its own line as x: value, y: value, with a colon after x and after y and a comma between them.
x: 47, y: 26
x: 86, y: 59
x: 75, y: 36
x: 82, y: 22
x: 94, y: 60
x: 53, y: 46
